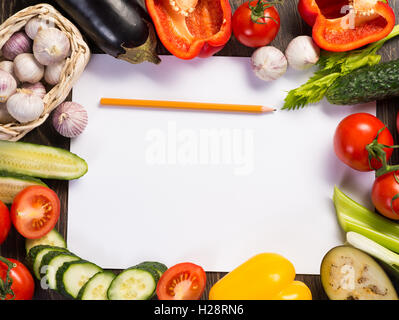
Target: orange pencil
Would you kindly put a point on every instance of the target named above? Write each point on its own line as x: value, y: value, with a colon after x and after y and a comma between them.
x: 185, y: 105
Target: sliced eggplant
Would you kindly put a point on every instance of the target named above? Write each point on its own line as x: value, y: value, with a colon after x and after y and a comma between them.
x: 121, y: 28
x: 349, y: 274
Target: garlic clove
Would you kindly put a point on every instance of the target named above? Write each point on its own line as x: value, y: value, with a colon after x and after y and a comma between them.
x: 302, y: 53
x: 25, y: 107
x: 51, y: 46
x: 28, y: 69
x: 70, y: 119
x: 268, y: 63
x: 5, y: 117
x: 53, y: 72
x: 8, y: 86
x: 36, y: 24
x: 36, y: 89
x: 18, y: 43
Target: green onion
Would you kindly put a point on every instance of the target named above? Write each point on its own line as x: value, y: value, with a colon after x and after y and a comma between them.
x: 371, y: 247
x: 354, y: 217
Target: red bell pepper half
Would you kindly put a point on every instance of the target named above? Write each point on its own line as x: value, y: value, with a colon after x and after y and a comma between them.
x: 343, y: 25
x: 192, y: 28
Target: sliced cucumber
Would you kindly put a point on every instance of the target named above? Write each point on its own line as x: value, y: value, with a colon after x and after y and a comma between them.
x: 53, y: 261
x: 96, y: 288
x: 136, y: 283
x: 40, y: 161
x: 53, y: 238
x: 72, y: 276
x: 157, y: 266
x: 36, y: 255
x: 12, y: 184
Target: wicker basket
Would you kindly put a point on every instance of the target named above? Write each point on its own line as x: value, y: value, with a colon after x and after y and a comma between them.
x: 73, y: 68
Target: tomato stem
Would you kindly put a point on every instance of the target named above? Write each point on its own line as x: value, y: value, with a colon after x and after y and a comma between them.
x: 6, y: 292
x: 258, y: 10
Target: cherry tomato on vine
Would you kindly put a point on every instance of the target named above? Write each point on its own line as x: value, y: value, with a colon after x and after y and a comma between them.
x: 5, y: 222
x: 256, y: 23
x: 35, y: 211
x: 385, y: 195
x: 23, y: 285
x: 354, y: 134
x: 184, y: 281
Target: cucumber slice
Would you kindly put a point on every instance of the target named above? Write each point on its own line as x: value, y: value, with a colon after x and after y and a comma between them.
x: 40, y: 161
x: 157, y: 266
x: 53, y: 261
x: 53, y: 238
x: 72, y: 276
x: 135, y: 283
x: 96, y: 288
x: 12, y: 184
x: 36, y: 255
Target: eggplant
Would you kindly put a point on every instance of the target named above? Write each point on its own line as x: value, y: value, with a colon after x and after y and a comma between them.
x: 121, y: 28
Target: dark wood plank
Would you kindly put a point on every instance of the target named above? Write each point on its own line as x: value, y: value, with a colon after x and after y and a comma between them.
x: 292, y: 25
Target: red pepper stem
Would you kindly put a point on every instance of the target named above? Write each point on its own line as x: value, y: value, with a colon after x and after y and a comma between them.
x: 258, y: 10
x: 6, y: 292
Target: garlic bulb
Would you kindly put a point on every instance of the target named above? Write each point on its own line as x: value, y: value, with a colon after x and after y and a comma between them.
x: 27, y: 68
x: 18, y: 43
x: 5, y: 117
x: 70, y: 119
x: 52, y: 74
x: 8, y: 86
x: 269, y: 63
x: 37, y: 89
x: 302, y: 53
x: 51, y: 46
x: 25, y: 106
x: 8, y: 66
x: 36, y: 24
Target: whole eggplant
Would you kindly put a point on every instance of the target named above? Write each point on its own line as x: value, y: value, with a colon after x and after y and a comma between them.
x: 121, y: 28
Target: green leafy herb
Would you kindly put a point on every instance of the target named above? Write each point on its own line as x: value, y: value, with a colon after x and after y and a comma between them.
x: 331, y: 67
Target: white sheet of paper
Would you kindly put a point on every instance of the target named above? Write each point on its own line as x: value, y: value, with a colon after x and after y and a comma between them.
x: 210, y: 188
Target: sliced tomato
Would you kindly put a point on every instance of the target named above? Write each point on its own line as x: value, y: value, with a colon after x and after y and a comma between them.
x: 35, y: 211
x: 184, y: 281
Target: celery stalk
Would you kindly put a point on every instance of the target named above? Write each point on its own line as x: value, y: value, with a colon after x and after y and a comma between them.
x: 354, y: 217
x: 371, y: 247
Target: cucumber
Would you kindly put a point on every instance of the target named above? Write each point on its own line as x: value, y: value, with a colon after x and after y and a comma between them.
x: 12, y: 184
x: 366, y: 84
x: 53, y: 261
x: 350, y: 274
x: 53, y: 238
x: 157, y: 266
x: 40, y: 161
x: 36, y: 255
x: 135, y: 283
x: 96, y: 288
x: 72, y: 276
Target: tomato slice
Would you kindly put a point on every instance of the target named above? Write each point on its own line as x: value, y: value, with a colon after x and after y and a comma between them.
x: 35, y: 211
x: 184, y: 281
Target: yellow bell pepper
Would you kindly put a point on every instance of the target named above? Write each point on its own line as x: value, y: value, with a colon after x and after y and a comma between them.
x: 267, y: 276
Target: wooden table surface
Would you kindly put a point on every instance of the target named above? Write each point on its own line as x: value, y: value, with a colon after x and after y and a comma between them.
x: 292, y: 26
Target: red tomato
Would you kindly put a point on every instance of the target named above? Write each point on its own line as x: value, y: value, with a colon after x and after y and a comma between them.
x: 385, y: 193
x: 35, y: 211
x: 352, y: 136
x: 23, y: 285
x: 5, y: 222
x: 184, y: 281
x: 256, y: 23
